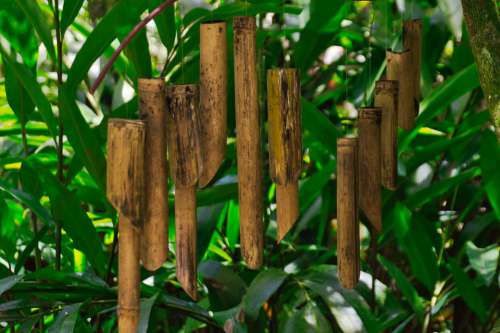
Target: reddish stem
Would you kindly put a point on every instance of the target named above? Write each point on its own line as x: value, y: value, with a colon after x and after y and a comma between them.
x: 127, y: 41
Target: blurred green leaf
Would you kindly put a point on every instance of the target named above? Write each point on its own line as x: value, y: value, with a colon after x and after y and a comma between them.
x: 233, y: 224
x: 309, y: 319
x: 66, y: 319
x: 483, y: 260
x: 9, y: 282
x: 466, y: 288
x: 39, y: 22
x: 319, y: 126
x: 146, y: 307
x: 165, y: 23
x: 490, y: 160
x: 263, y: 286
x: 69, y: 13
x: 17, y: 96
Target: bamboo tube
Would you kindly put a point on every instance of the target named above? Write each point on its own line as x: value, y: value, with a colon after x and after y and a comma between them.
x: 399, y: 69
x: 213, y: 98
x: 370, y: 200
x: 184, y: 157
x: 347, y: 212
x: 285, y: 144
x: 125, y: 185
x: 412, y: 40
x: 248, y: 141
x: 154, y: 233
x: 386, y: 97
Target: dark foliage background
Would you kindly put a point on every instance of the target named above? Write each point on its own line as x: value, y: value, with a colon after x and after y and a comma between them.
x: 437, y: 263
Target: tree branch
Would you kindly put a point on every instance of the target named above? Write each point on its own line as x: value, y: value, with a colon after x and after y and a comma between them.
x: 484, y: 31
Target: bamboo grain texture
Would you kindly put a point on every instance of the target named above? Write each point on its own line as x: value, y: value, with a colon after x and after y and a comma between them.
x: 386, y: 98
x: 285, y: 143
x: 213, y: 98
x: 125, y: 188
x: 370, y: 197
x: 399, y: 69
x: 412, y: 40
x: 248, y: 141
x: 347, y: 212
x: 154, y: 233
x: 185, y: 164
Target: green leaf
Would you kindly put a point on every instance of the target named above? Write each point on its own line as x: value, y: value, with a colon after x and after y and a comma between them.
x: 165, y: 23
x: 69, y: 13
x: 233, y: 224
x: 9, y: 282
x: 66, y: 319
x: 319, y: 126
x: 489, y: 162
x: 407, y: 289
x: 84, y: 141
x: 24, y: 76
x: 263, y: 286
x: 123, y: 14
x: 146, y: 307
x: 68, y: 210
x: 39, y: 23
x: 17, y: 96
x: 309, y: 319
x: 217, y: 194
x: 483, y: 260
x: 312, y: 186
x: 21, y: 260
x: 138, y: 53
x: 466, y: 288
x: 417, y: 245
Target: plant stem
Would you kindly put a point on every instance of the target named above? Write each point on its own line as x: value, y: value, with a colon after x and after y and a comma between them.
x: 60, y: 156
x: 127, y: 41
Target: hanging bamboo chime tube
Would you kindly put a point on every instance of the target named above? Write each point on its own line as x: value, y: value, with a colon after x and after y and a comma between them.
x: 370, y: 200
x: 285, y: 143
x: 386, y: 98
x: 213, y: 98
x: 184, y: 157
x: 399, y: 69
x: 125, y: 185
x: 347, y: 212
x: 412, y: 40
x: 154, y: 233
x: 248, y: 141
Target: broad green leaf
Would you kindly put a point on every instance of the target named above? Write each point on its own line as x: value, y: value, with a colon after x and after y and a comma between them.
x: 263, y: 286
x: 124, y: 13
x: 165, y: 23
x: 319, y: 126
x: 217, y: 194
x: 312, y: 186
x: 39, y: 23
x: 146, y: 307
x: 489, y: 162
x: 416, y: 243
x: 84, y: 141
x: 483, y: 260
x: 69, y: 13
x: 407, y: 289
x: 24, y: 76
x: 9, y: 282
x: 66, y: 319
x: 21, y: 260
x: 68, y: 210
x: 27, y: 326
x: 233, y: 224
x: 309, y: 319
x: 138, y: 53
x: 17, y: 96
x: 466, y: 288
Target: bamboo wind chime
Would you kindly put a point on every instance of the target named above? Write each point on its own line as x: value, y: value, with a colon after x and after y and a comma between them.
x: 373, y: 159
x: 125, y: 189
x: 285, y: 144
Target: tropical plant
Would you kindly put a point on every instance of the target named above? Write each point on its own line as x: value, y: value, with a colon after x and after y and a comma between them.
x: 435, y: 263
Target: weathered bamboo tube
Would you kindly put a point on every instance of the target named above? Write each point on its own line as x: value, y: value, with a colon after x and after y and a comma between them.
x: 347, y: 212
x: 213, y: 98
x: 125, y: 185
x: 370, y: 200
x: 412, y: 40
x: 154, y: 233
x: 399, y: 69
x: 285, y: 143
x: 248, y: 141
x: 184, y: 157
x: 386, y: 97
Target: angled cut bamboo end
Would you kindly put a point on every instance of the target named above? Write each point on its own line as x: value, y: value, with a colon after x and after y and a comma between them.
x: 386, y: 97
x: 347, y: 212
x: 412, y: 40
x: 154, y: 233
x: 287, y: 197
x: 370, y: 200
x: 213, y: 98
x: 398, y: 68
x: 248, y: 141
x: 185, y: 233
